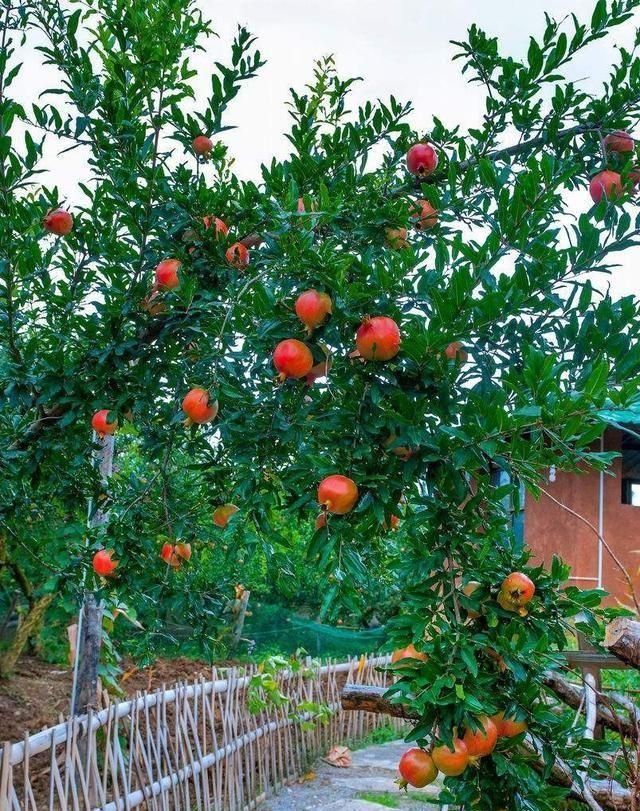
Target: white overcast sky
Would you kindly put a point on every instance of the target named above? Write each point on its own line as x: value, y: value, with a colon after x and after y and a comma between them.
x: 399, y: 47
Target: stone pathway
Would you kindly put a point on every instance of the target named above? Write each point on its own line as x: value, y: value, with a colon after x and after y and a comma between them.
x: 367, y: 785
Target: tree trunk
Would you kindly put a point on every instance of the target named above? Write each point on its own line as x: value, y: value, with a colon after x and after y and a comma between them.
x: 240, y: 612
x: 622, y: 638
x: 27, y: 627
x: 85, y: 696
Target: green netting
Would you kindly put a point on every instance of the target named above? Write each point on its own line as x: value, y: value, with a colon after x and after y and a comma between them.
x: 274, y: 628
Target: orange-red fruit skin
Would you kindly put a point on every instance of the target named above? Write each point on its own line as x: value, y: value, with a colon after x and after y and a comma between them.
x: 321, y: 521
x: 606, y: 183
x: 338, y: 494
x: 426, y: 217
x: 451, y: 762
x: 58, y: 222
x: 456, y: 351
x: 221, y: 228
x: 222, y: 514
x: 520, y: 583
x: 167, y: 274
x: 508, y: 727
x: 422, y: 159
x: 198, y: 407
x: 237, y: 256
x: 292, y: 358
x: 481, y: 742
x: 202, y: 145
x: 100, y: 424
x: 417, y: 768
x: 312, y: 308
x: 378, y: 338
x: 409, y: 652
x: 103, y: 563
x: 619, y: 141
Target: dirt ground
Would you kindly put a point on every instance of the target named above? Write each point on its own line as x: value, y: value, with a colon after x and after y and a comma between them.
x: 39, y: 692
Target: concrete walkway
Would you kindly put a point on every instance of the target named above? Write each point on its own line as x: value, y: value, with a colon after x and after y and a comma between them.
x: 367, y: 785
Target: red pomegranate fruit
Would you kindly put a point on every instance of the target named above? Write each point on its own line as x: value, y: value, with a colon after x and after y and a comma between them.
x: 103, y: 563
x: 605, y: 184
x: 422, y: 159
x: 338, y: 494
x: 292, y: 358
x: 312, y: 308
x: 198, y: 407
x: 417, y: 768
x: 58, y: 222
x: 378, y: 338
x: 100, y: 423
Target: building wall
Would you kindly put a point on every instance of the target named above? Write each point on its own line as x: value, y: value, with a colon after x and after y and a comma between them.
x: 550, y: 530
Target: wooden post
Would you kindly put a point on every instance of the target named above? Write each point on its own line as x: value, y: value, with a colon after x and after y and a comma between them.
x: 240, y: 612
x: 89, y: 632
x: 85, y: 696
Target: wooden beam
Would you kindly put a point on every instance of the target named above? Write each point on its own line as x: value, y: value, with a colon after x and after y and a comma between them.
x: 371, y: 699
x: 622, y: 638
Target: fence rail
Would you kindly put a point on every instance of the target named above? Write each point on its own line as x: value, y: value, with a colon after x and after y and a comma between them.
x: 194, y: 746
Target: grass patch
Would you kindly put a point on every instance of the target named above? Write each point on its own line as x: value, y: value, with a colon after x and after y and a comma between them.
x: 382, y: 734
x: 385, y: 798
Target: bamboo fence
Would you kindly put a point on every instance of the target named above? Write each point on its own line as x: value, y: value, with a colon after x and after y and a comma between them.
x: 194, y: 746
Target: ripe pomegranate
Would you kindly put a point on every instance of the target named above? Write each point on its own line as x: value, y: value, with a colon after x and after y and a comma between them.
x: 198, y: 406
x: 409, y: 652
x: 455, y: 351
x: 515, y: 592
x: 481, y: 742
x: 220, y: 227
x: 58, y: 222
x: 183, y: 550
x: 221, y: 515
x: 202, y: 145
x: 100, y: 423
x: 167, y: 274
x: 425, y: 217
x: 312, y: 308
x: 417, y: 768
x: 103, y: 563
x: 237, y: 256
x: 292, y: 358
x: 606, y: 183
x: 396, y: 238
x: 451, y: 762
x: 337, y: 494
x: 401, y: 451
x: 619, y: 141
x: 174, y: 554
x: 508, y: 727
x: 378, y: 338
x: 422, y: 159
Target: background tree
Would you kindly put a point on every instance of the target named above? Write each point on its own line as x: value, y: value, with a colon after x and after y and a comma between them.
x: 497, y: 259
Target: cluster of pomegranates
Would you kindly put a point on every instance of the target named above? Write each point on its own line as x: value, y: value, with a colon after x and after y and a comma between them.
x: 418, y: 767
x: 608, y: 183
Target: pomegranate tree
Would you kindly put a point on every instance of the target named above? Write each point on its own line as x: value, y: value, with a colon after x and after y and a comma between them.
x: 460, y: 331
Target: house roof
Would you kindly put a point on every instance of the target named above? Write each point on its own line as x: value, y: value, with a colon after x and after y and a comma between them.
x: 626, y: 416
